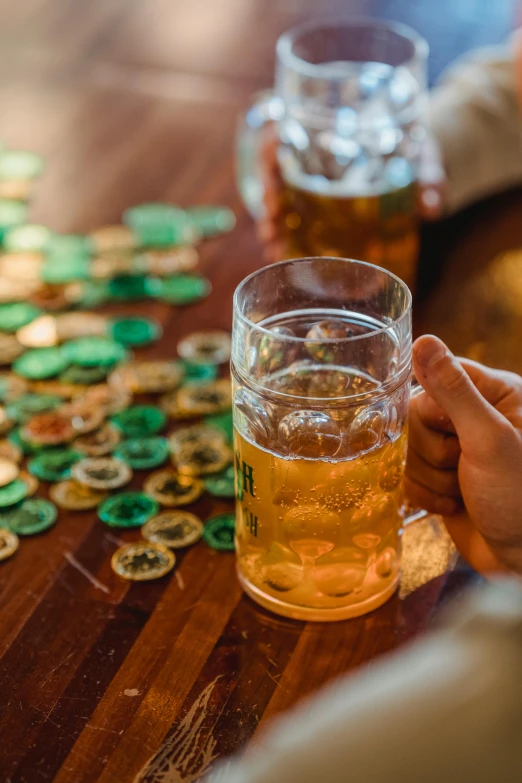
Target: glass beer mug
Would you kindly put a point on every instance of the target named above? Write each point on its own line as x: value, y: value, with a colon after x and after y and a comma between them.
x: 345, y: 110
x: 321, y: 367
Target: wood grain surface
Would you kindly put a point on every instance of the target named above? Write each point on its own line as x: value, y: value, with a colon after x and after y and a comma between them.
x: 134, y: 100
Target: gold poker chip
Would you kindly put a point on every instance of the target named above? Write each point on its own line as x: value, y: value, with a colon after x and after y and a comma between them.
x: 5, y: 422
x: 202, y: 459
x: 84, y: 416
x: 202, y: 399
x: 212, y: 346
x: 144, y: 377
x: 164, y: 263
x: 9, y: 471
x: 31, y: 481
x: 58, y: 388
x: 142, y: 561
x: 72, y: 496
x: 173, y: 529
x: 197, y: 434
x: 8, y: 543
x: 10, y: 348
x: 9, y: 451
x: 102, y: 472
x: 116, y: 237
x: 171, y: 489
x: 109, y: 398
x: 99, y: 442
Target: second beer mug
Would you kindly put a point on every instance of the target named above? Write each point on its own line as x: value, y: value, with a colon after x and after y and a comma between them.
x: 345, y: 111
x: 321, y: 363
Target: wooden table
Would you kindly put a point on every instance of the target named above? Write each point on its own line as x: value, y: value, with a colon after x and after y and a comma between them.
x: 134, y: 100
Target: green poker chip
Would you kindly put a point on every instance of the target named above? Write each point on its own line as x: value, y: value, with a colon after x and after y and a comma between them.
x: 93, y: 293
x: 32, y: 516
x: 93, y: 352
x: 219, y: 532
x: 22, y: 408
x: 84, y: 376
x: 13, y: 493
x: 12, y: 213
x: 31, y: 238
x: 41, y: 363
x: 221, y: 485
x: 14, y: 315
x: 68, y: 246
x: 139, y: 421
x: 180, y: 289
x: 129, y: 288
x: 135, y: 331
x: 199, y: 371
x: 143, y: 453
x: 128, y: 509
x: 210, y: 221
x: 54, y: 465
x: 65, y: 270
x: 20, y: 165
x: 160, y: 225
x: 224, y: 422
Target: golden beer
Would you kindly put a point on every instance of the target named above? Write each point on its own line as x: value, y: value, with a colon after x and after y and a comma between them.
x: 317, y: 534
x: 381, y: 227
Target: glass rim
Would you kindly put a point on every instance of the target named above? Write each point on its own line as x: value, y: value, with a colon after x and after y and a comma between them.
x: 285, y: 43
x: 328, y: 340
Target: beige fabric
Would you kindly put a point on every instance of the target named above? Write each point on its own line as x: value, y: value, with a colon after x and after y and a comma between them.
x: 475, y: 116
x: 447, y: 709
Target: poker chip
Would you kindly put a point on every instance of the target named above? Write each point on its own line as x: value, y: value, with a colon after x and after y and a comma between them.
x: 93, y: 352
x: 224, y: 422
x: 10, y: 348
x: 28, y: 237
x: 22, y: 408
x: 40, y: 363
x: 143, y: 453
x: 147, y: 377
x: 172, y: 489
x: 196, y: 435
x: 9, y: 471
x: 135, y: 331
x: 72, y: 496
x: 142, y: 561
x: 202, y: 459
x: 14, y: 315
x: 138, y: 421
x: 173, y: 529
x: 54, y: 465
x: 160, y: 225
x: 219, y: 532
x: 102, y: 472
x: 13, y: 493
x: 205, y: 398
x: 9, y: 543
x: 100, y: 442
x: 200, y: 371
x: 33, y: 515
x: 210, y: 347
x: 181, y: 289
x: 128, y: 509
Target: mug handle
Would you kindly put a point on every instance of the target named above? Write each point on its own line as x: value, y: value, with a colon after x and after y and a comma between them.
x: 412, y: 514
x: 266, y: 108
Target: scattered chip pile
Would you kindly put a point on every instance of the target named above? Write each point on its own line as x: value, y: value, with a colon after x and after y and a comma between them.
x: 75, y: 403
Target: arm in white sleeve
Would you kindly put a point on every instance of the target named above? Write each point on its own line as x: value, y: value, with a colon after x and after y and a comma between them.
x: 446, y: 709
x: 475, y: 116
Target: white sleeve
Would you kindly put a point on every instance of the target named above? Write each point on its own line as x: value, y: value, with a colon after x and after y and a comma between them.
x: 447, y: 709
x: 475, y: 115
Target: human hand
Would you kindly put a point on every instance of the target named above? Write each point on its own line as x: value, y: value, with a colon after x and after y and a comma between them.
x: 271, y: 229
x: 465, y: 454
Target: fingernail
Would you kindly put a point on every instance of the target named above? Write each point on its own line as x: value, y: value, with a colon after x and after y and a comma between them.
x: 428, y: 350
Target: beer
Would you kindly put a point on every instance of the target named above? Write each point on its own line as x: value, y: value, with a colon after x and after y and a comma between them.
x: 379, y: 226
x: 318, y: 516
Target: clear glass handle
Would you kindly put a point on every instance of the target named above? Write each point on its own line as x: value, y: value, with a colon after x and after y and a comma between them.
x: 267, y: 108
x: 411, y: 513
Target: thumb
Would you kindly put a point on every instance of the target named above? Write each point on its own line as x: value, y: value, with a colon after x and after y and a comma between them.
x: 442, y: 376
